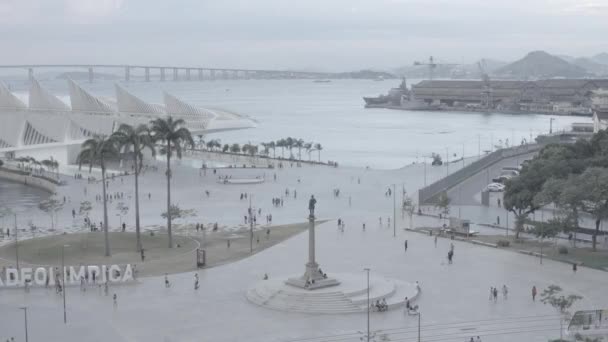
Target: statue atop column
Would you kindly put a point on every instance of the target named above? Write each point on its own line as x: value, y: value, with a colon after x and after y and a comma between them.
x: 311, y: 205
x: 313, y: 277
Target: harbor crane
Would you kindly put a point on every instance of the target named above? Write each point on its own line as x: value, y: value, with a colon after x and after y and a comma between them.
x: 486, y: 93
x: 432, y: 65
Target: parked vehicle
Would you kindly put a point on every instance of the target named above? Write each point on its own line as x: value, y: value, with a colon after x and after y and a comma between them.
x: 495, y: 187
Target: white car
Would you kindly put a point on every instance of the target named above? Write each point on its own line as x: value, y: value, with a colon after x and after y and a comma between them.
x: 495, y: 187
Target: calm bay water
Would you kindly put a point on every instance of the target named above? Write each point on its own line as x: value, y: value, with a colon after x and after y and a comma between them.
x: 333, y: 115
x: 19, y: 197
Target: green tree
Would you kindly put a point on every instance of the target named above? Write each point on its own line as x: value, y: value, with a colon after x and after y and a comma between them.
x: 410, y: 208
x: 520, y: 195
x: 552, y: 296
x: 299, y: 144
x: 136, y: 141
x: 172, y: 134
x: 308, y: 148
x: 282, y: 144
x: 51, y: 206
x: 235, y: 148
x: 226, y: 148
x: 592, y: 186
x: 273, y: 146
x: 318, y: 148
x: 98, y: 150
x: 176, y: 213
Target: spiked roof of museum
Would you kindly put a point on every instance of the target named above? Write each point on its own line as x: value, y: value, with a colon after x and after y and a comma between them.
x: 46, y: 119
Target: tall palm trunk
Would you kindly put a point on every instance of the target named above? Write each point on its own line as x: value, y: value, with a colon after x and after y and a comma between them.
x: 105, y: 209
x: 594, y: 237
x: 319, y: 156
x: 137, y: 231
x: 169, y: 193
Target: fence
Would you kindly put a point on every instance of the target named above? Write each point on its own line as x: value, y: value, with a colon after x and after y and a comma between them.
x: 428, y: 193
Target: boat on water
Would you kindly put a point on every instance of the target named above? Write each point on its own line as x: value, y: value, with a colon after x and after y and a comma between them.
x: 322, y: 81
x: 399, y: 98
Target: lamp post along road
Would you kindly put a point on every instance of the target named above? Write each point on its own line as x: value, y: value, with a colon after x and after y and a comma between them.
x: 25, y: 317
x: 65, y: 316
x: 250, y: 226
x: 16, y: 242
x: 394, y: 212
x: 368, y: 304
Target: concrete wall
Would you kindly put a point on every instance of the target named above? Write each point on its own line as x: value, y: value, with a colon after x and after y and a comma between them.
x: 27, y: 180
x: 428, y: 193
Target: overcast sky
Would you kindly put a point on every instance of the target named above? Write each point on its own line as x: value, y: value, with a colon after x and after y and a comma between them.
x: 296, y: 34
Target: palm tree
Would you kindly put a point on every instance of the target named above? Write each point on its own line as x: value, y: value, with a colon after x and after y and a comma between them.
x: 266, y: 147
x: 282, y: 144
x: 318, y: 147
x: 299, y: 143
x: 171, y: 132
x: 308, y: 147
x: 289, y: 144
x: 273, y: 146
x: 135, y: 140
x: 226, y: 148
x: 98, y: 150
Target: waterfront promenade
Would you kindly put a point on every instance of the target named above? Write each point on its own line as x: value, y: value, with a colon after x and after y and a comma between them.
x: 219, y: 310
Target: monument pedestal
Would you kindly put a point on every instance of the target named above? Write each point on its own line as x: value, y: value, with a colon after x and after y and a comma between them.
x: 312, y: 279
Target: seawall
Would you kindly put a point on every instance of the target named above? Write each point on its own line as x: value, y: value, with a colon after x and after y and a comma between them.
x: 26, y: 179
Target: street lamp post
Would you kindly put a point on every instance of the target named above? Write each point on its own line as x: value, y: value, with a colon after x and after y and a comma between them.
x: 65, y: 289
x: 25, y: 316
x: 250, y: 226
x: 542, y: 232
x: 424, y: 161
x: 447, y: 164
x: 418, y: 326
x: 16, y: 242
x: 394, y: 212
x: 368, y: 304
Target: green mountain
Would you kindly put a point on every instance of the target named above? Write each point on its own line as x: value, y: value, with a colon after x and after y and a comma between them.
x: 539, y: 64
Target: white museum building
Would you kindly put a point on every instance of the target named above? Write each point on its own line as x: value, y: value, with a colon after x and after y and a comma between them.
x: 48, y: 128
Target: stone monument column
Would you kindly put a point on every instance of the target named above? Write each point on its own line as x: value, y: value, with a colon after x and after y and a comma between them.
x: 313, y: 278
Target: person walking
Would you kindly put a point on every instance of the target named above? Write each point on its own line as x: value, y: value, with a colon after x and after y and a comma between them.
x: 196, y: 281
x: 405, y: 245
x: 491, y: 293
x: 534, y: 293
x: 435, y: 241
x: 505, y: 292
x: 574, y: 267
x: 495, y: 294
x: 115, y: 300
x: 167, y: 283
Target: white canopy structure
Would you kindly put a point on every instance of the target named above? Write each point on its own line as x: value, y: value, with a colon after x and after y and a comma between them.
x: 49, y: 128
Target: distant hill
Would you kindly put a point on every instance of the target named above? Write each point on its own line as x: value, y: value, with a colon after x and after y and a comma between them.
x: 601, y: 58
x: 591, y: 66
x: 539, y: 64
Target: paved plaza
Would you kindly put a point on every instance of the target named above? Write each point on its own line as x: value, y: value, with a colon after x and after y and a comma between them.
x: 453, y: 300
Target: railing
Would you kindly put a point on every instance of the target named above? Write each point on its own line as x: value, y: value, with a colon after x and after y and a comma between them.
x: 428, y: 193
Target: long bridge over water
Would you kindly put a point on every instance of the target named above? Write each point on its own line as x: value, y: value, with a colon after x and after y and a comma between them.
x: 175, y: 73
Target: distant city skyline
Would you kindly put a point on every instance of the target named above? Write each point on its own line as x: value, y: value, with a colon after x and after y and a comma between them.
x: 334, y: 35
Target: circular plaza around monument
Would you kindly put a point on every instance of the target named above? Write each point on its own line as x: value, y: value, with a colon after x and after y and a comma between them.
x: 349, y: 296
